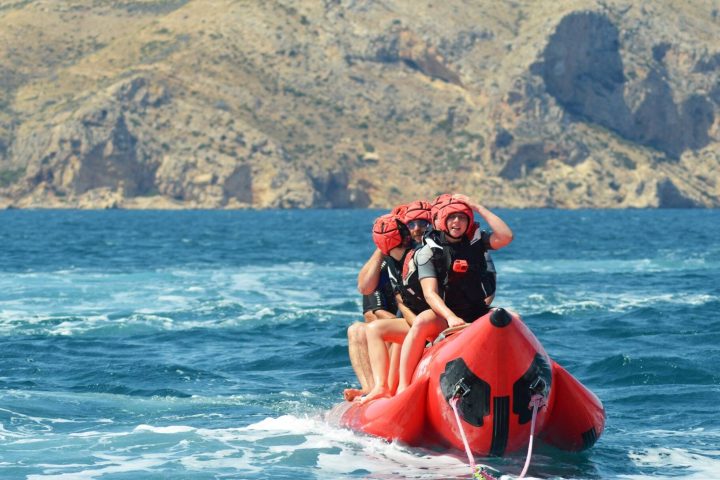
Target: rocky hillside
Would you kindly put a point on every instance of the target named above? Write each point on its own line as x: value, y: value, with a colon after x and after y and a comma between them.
x: 356, y: 103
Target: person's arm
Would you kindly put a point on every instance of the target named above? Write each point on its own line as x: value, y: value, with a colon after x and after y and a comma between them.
x: 407, y: 314
x: 369, y: 275
x: 501, y: 233
x: 432, y: 297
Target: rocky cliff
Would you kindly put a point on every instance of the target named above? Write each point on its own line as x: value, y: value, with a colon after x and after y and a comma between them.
x: 356, y: 103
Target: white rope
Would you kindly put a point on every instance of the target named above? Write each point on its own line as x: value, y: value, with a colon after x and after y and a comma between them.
x: 536, y: 402
x: 478, y: 472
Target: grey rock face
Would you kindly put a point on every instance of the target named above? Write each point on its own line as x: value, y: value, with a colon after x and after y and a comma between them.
x: 582, y: 68
x: 113, y: 164
x: 670, y: 197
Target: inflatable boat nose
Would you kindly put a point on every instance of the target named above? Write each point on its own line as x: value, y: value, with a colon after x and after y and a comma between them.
x: 500, y: 318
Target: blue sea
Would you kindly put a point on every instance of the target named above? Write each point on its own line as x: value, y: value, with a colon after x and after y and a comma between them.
x: 211, y: 344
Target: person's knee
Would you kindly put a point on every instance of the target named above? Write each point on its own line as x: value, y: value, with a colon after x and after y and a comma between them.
x: 356, y: 332
x: 423, y: 322
x: 426, y: 326
x: 373, y: 330
x: 369, y: 316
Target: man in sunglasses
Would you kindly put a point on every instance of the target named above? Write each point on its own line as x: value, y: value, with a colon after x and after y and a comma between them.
x: 417, y: 219
x: 379, y: 303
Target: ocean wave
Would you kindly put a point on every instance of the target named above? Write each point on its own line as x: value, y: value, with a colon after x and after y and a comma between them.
x: 634, y: 369
x: 676, y: 463
x: 221, y: 315
x: 269, y: 448
x: 79, y: 303
x: 342, y: 453
x: 565, y: 301
x: 669, y: 262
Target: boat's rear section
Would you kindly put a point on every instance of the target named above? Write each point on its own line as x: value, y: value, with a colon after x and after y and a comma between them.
x: 577, y: 417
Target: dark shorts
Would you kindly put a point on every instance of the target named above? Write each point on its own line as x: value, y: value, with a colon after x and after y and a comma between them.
x: 471, y: 314
x: 378, y: 301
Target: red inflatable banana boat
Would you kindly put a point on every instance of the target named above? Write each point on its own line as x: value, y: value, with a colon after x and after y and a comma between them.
x: 494, y: 367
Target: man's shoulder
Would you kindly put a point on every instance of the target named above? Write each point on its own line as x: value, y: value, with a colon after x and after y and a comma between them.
x: 424, y: 254
x: 481, y: 239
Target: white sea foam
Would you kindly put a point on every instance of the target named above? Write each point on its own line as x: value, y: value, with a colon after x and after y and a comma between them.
x: 625, y: 301
x: 96, y: 434
x: 177, y: 301
x: 694, y: 433
x: 563, y: 302
x: 678, y: 463
x: 246, y: 281
x: 6, y: 435
x: 240, y: 452
x: 231, y: 459
x: 119, y: 465
x: 35, y: 419
x: 603, y: 265
x: 117, y: 302
x: 356, y: 452
x: 164, y: 430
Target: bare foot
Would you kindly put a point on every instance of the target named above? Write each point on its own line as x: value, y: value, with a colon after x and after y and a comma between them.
x: 400, y: 389
x: 377, y: 392
x: 351, y: 394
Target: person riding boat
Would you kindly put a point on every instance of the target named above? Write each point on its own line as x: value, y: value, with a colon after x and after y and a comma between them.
x: 378, y: 303
x: 391, y: 237
x: 456, y: 273
x: 418, y: 215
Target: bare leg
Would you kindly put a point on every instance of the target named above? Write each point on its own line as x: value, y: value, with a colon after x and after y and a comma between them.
x: 393, y: 369
x: 358, y: 350
x: 426, y: 325
x: 380, y: 331
x: 393, y: 351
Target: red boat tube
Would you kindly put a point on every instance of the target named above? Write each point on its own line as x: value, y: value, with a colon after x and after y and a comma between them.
x: 494, y: 366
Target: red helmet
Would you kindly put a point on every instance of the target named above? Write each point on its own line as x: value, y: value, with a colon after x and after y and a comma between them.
x: 444, y: 206
x: 399, y: 211
x: 417, y: 210
x: 388, y: 233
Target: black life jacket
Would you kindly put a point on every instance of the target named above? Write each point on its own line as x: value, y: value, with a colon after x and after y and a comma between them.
x: 466, y: 272
x: 385, y: 285
x: 404, y: 276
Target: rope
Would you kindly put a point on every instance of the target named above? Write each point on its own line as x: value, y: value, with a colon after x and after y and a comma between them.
x: 536, y: 402
x: 477, y: 471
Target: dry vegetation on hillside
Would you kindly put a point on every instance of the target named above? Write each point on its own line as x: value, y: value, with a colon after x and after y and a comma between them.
x: 342, y: 103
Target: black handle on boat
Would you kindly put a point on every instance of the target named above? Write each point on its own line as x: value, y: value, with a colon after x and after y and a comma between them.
x: 460, y: 389
x: 538, y: 386
x: 449, y: 331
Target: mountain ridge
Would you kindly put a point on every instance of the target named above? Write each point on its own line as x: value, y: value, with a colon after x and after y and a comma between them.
x: 190, y: 104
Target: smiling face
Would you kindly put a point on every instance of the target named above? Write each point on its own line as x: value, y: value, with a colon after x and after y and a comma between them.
x: 457, y: 225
